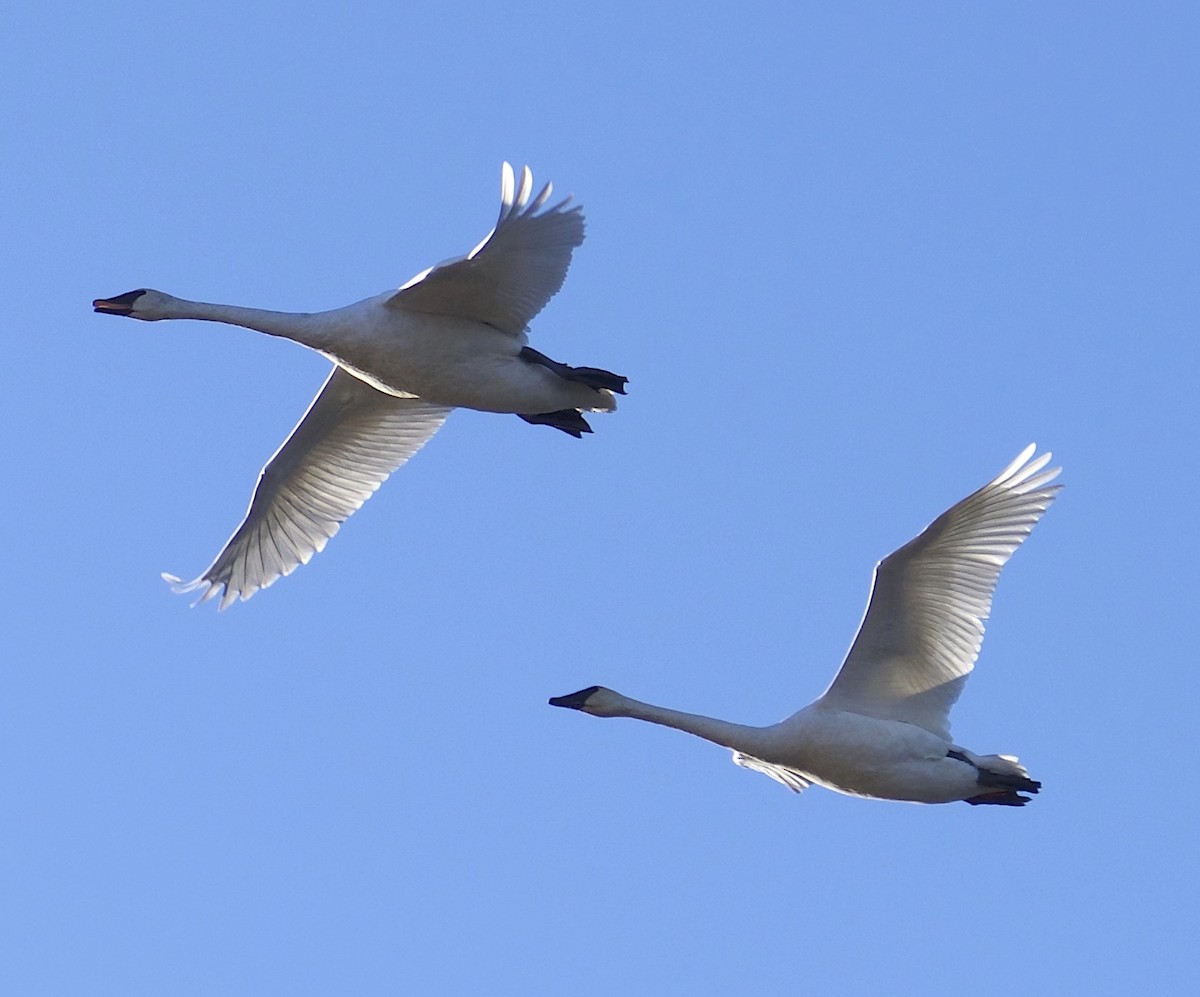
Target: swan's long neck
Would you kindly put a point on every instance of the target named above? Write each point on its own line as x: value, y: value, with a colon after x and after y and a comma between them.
x: 310, y: 329
x: 738, y: 737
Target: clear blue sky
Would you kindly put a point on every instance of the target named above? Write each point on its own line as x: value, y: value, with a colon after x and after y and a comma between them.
x: 853, y: 257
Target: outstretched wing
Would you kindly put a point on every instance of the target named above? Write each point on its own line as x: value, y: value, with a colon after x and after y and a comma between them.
x: 350, y: 439
x: 508, y: 278
x: 923, y: 626
x: 794, y: 779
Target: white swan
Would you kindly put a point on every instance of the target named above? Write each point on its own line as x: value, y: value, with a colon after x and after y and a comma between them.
x: 452, y: 336
x: 882, y: 728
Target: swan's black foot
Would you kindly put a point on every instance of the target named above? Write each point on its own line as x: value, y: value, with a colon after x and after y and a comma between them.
x: 569, y: 420
x: 1001, y: 787
x: 593, y: 377
x: 599, y: 379
x: 1006, y: 798
x: 1007, y: 781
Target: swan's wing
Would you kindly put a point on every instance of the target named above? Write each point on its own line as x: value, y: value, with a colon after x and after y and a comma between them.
x: 923, y: 626
x: 350, y: 439
x: 794, y: 779
x: 508, y: 278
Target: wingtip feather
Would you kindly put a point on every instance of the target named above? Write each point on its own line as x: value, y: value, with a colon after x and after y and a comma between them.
x: 1024, y: 475
x: 208, y: 588
x: 507, y: 186
x: 526, y: 186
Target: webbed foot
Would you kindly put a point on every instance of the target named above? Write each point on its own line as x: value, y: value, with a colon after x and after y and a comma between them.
x: 593, y: 377
x: 569, y: 420
x: 1007, y: 798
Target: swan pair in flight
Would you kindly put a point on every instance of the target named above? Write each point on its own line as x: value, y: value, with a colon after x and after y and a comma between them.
x: 452, y: 337
x: 455, y: 336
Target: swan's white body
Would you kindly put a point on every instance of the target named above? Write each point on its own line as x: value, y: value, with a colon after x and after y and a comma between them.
x: 453, y: 336
x: 443, y: 360
x: 882, y: 728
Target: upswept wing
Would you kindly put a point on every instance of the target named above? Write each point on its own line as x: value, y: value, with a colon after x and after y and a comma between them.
x: 350, y: 439
x: 924, y: 622
x: 508, y: 278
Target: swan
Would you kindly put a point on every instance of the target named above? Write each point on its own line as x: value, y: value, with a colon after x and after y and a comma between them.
x: 882, y: 728
x: 453, y: 336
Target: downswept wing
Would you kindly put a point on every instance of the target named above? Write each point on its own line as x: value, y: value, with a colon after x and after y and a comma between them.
x: 348, y: 442
x: 794, y: 779
x: 924, y: 622
x: 508, y: 278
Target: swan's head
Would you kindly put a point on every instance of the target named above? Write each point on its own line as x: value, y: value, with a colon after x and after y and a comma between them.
x: 595, y: 699
x: 142, y: 303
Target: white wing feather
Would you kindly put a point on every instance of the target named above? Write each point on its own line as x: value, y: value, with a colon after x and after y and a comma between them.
x: 348, y: 442
x: 518, y: 267
x: 925, y: 617
x: 794, y: 779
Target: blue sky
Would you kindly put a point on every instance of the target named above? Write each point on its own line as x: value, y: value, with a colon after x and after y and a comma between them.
x: 852, y: 257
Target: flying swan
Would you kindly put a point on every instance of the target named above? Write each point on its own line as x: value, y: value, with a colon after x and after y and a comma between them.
x: 453, y: 336
x: 882, y: 728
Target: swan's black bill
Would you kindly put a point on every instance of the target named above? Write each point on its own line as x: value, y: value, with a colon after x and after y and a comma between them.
x: 576, y: 700
x: 122, y: 304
